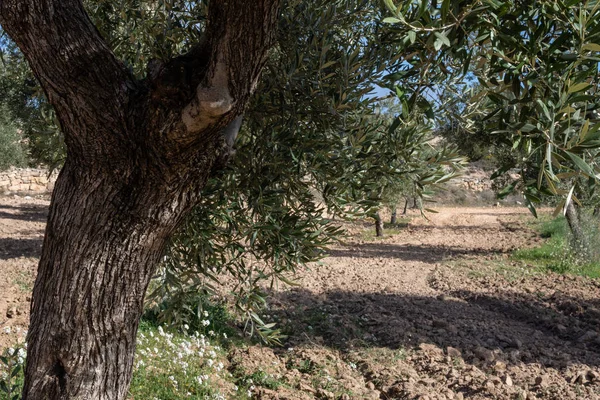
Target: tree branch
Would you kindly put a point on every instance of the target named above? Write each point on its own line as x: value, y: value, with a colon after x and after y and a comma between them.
x: 82, y: 78
x: 238, y: 36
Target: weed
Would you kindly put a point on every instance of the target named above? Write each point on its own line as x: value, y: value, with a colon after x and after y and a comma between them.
x: 557, y: 254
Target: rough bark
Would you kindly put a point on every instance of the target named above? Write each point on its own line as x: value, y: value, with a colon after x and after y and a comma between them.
x: 581, y: 242
x: 138, y: 154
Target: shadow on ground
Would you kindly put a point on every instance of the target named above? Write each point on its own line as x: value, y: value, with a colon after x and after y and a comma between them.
x: 410, y: 252
x: 21, y: 247
x: 555, y: 332
x: 24, y: 212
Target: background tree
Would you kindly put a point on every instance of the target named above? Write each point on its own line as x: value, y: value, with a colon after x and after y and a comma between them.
x: 537, y: 89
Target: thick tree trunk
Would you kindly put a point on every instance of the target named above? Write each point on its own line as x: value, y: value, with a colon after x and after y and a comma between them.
x: 138, y: 155
x: 103, y: 241
x: 394, y: 218
x: 581, y: 242
x: 378, y: 225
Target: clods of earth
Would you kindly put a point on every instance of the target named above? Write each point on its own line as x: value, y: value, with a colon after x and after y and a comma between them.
x: 435, y: 310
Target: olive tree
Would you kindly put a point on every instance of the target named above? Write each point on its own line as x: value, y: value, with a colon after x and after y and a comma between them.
x: 139, y: 151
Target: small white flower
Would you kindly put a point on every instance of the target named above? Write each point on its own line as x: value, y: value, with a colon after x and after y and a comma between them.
x: 205, y: 322
x: 224, y: 335
x: 205, y: 313
x: 211, y: 333
x: 7, y: 330
x: 11, y: 351
x: 186, y: 327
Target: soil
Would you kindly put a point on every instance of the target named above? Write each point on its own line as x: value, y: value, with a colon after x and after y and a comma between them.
x: 22, y: 223
x: 435, y: 310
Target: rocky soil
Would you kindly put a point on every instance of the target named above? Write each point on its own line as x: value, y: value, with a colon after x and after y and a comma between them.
x: 435, y: 310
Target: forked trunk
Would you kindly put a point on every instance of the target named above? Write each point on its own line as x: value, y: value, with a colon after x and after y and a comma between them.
x: 138, y: 154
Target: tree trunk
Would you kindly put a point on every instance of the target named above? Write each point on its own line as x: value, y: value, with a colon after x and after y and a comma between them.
x: 103, y: 242
x: 405, y: 206
x: 138, y: 154
x: 394, y: 218
x: 378, y: 225
x: 581, y: 243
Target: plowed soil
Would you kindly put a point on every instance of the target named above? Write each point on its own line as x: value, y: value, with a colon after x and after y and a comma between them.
x: 436, y: 310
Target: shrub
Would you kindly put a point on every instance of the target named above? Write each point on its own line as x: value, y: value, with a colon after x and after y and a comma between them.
x: 12, y: 152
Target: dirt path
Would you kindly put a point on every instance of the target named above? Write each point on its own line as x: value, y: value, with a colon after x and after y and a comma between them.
x: 22, y: 223
x: 440, y: 312
x: 436, y: 311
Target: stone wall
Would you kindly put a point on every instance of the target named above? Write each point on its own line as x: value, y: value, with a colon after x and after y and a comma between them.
x: 26, y: 181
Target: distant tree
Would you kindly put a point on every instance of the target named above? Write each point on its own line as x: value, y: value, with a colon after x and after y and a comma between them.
x: 536, y: 64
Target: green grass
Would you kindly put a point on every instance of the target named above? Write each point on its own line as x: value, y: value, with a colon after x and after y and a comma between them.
x: 556, y: 254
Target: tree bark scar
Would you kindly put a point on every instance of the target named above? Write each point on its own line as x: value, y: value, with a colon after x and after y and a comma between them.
x: 61, y: 374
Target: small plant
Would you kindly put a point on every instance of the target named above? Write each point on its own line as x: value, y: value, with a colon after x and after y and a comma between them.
x: 559, y: 254
x: 11, y: 373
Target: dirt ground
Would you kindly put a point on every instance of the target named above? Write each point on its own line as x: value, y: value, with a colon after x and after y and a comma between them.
x: 435, y: 310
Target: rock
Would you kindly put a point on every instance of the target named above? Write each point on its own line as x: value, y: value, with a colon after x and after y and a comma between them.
x: 495, y: 380
x: 453, y: 352
x: 508, y: 380
x: 439, y: 324
x: 306, y: 388
x: 11, y: 312
x: 370, y: 385
x: 431, y: 349
x: 581, y: 378
x: 589, y: 335
x: 345, y: 397
x: 593, y: 376
x: 499, y: 366
x: 542, y: 380
x: 484, y: 354
x: 324, y: 394
x: 561, y: 328
x: 459, y: 396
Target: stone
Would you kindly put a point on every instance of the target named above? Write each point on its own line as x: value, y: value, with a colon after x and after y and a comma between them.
x: 541, y: 380
x: 324, y: 394
x: 508, y: 380
x: 11, y: 312
x: 453, y: 352
x: 484, y: 354
x: 581, y: 378
x: 370, y: 385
